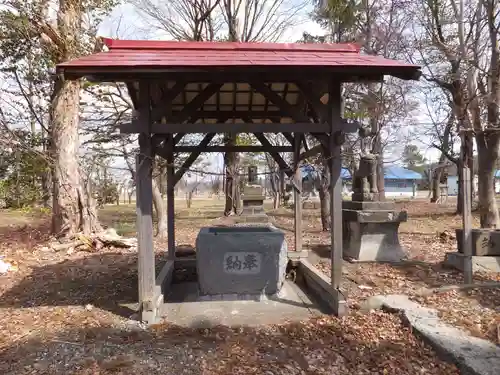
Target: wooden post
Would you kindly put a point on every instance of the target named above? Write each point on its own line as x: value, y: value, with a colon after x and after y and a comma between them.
x: 297, y: 193
x: 144, y: 203
x: 335, y: 164
x: 170, y: 197
x: 467, y: 223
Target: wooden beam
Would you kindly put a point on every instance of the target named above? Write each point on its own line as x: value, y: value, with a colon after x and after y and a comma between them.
x: 178, y: 137
x: 170, y: 197
x: 196, y: 103
x: 311, y: 152
x: 144, y: 204
x: 234, y: 149
x: 244, y: 127
x: 297, y: 193
x: 167, y: 98
x: 278, y: 101
x: 192, y: 158
x: 313, y: 97
x: 276, y: 156
x: 288, y: 136
x: 132, y: 92
x: 335, y: 164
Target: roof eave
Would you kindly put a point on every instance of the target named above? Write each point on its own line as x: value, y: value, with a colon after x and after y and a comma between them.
x: 100, y: 74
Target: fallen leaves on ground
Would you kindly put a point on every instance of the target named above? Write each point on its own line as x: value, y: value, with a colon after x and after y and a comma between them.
x: 427, y: 236
x: 72, y: 314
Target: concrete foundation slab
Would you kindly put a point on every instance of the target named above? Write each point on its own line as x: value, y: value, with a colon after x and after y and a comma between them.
x: 185, y: 307
x: 241, y: 260
x: 488, y: 264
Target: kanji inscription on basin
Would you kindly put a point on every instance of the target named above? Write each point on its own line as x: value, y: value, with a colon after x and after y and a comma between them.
x: 242, y: 263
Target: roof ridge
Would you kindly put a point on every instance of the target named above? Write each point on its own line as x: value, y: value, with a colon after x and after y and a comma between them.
x: 121, y: 44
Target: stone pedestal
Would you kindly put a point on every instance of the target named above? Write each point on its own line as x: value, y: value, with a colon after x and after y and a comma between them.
x: 485, y: 255
x: 485, y: 242
x: 370, y: 231
x: 241, y: 260
x: 253, y: 204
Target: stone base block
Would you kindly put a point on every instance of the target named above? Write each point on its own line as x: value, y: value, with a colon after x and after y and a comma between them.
x: 241, y: 260
x: 484, y: 241
x: 311, y: 205
x: 246, y: 217
x: 252, y: 190
x: 369, y: 206
x: 371, y: 236
x: 490, y: 264
x: 252, y: 210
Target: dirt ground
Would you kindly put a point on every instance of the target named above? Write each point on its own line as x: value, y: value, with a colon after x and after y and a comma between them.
x: 69, y: 313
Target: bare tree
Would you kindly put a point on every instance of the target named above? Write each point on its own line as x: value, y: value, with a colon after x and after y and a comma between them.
x: 60, y: 34
x: 230, y: 20
x: 454, y: 34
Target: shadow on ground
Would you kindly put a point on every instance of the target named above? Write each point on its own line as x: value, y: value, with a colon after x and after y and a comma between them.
x: 107, y: 281
x: 328, y: 345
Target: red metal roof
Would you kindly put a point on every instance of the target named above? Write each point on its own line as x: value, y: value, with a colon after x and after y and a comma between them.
x: 134, y: 54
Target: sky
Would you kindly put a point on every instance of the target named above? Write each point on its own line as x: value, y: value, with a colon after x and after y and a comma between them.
x: 126, y: 23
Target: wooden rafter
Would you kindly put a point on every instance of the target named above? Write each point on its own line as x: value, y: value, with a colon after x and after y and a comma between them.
x: 275, y: 155
x: 164, y: 107
x: 313, y: 97
x: 234, y: 149
x: 192, y: 158
x: 196, y: 103
x: 278, y: 101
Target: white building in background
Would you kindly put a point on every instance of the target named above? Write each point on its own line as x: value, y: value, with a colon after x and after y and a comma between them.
x: 452, y: 182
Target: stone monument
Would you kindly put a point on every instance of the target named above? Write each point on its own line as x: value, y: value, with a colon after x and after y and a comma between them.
x: 485, y: 251
x: 253, y: 199
x: 370, y: 227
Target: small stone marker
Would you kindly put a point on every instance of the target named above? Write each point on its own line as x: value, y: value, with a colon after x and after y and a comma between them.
x: 253, y: 199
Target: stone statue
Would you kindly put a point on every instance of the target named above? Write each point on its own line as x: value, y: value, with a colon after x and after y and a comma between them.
x: 252, y: 175
x: 364, y: 185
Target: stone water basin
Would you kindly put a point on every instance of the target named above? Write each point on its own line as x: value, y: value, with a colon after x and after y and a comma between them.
x: 241, y: 260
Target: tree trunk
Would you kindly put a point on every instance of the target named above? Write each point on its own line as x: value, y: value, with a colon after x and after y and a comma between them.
x: 435, y: 184
x: 231, y: 184
x: 161, y: 211
x: 377, y: 150
x: 324, y: 199
x: 487, y: 149
x: 460, y: 208
x: 324, y: 195
x: 282, y: 186
x: 46, y: 188
x: 72, y: 211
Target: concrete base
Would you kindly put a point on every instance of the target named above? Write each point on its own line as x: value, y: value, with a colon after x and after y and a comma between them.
x: 241, y: 260
x: 185, y: 307
x: 372, y: 235
x: 484, y: 241
x: 488, y: 264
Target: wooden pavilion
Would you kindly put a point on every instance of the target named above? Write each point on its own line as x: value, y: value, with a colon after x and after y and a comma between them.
x: 204, y: 87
